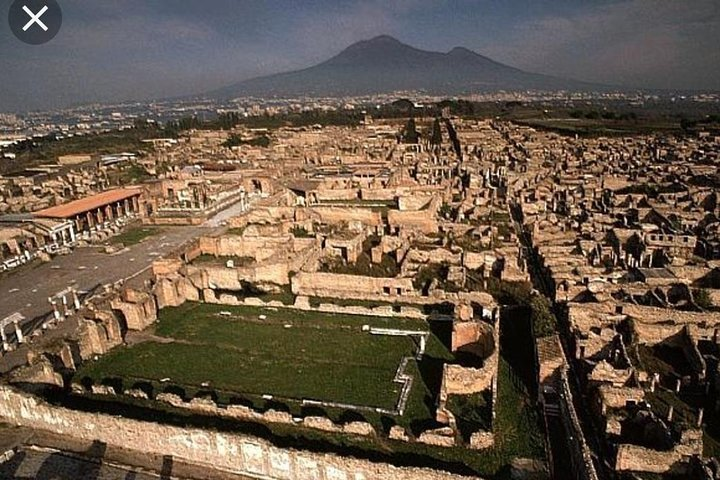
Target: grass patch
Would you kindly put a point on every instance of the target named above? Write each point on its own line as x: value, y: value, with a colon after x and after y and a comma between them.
x: 517, y: 427
x: 134, y: 235
x: 364, y: 266
x: 472, y: 412
x: 222, y: 260
x: 322, y: 357
x: 47, y: 150
x: 235, y: 231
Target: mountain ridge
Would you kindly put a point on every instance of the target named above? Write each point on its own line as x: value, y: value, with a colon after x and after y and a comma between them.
x: 384, y: 64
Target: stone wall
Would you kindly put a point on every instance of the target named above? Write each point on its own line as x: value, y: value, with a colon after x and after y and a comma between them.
x: 349, y: 286
x: 640, y: 459
x: 232, y: 452
x: 138, y: 308
x: 420, y: 220
x: 459, y: 380
x: 259, y: 248
x: 577, y: 448
x: 335, y: 215
x: 478, y: 333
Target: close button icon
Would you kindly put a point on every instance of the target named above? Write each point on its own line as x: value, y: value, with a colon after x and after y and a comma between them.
x: 35, y: 21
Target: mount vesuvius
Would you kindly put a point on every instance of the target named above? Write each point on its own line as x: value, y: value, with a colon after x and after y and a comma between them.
x: 384, y: 64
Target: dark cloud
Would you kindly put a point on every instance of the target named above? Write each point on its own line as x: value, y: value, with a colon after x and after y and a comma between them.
x: 135, y: 49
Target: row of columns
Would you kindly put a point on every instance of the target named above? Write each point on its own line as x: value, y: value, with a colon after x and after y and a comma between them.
x: 14, y: 320
x: 108, y: 213
x: 65, y: 235
x: 65, y: 303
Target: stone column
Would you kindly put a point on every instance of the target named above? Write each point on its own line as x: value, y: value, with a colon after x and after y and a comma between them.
x: 67, y: 310
x: 5, y: 344
x: 18, y: 332
x: 76, y: 300
x: 56, y: 312
x: 72, y: 233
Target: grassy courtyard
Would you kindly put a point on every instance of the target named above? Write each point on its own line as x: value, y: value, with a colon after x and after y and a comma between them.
x: 134, y: 235
x: 288, y: 354
x: 517, y: 426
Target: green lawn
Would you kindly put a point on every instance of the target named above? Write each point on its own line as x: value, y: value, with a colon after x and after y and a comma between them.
x: 322, y: 357
x: 135, y: 235
x: 326, y: 357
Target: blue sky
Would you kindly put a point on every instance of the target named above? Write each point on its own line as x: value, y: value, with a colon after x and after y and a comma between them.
x: 138, y: 49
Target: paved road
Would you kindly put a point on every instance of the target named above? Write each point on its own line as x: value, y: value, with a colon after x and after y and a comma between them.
x: 37, y: 465
x: 48, y: 464
x: 27, y: 290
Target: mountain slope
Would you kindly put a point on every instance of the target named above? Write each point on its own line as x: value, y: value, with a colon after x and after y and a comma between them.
x: 383, y: 64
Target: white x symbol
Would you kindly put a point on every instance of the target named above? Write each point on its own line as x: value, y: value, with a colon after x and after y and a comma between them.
x: 35, y: 18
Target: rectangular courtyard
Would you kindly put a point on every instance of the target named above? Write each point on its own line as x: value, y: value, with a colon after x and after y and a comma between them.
x: 254, y: 351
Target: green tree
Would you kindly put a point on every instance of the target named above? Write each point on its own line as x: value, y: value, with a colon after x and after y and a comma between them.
x: 410, y: 133
x: 702, y: 299
x: 436, y: 136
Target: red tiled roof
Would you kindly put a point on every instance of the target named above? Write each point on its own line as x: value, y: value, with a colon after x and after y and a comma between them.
x: 70, y: 209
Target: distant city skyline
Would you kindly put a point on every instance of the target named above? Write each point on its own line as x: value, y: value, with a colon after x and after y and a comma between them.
x: 143, y: 49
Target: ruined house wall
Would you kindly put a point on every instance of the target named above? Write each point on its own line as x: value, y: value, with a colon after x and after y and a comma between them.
x: 259, y: 248
x: 437, y: 255
x: 173, y: 290
x: 138, y: 308
x: 166, y: 266
x: 350, y: 286
x: 459, y: 380
x: 577, y: 447
x: 236, y: 453
x: 275, y: 269
x: 466, y: 333
x: 659, y: 315
x: 260, y: 214
x: 475, y: 260
x: 378, y: 193
x: 617, y: 397
x: 337, y: 194
x: 640, y: 459
x: 334, y: 215
x: 413, y: 203
x: 422, y: 220
x: 692, y: 352
x: 654, y: 334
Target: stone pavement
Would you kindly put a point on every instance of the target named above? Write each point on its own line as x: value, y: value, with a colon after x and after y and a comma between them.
x: 31, y: 464
x: 27, y: 291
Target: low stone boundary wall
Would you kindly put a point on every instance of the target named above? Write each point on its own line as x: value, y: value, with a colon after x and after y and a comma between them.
x: 232, y: 452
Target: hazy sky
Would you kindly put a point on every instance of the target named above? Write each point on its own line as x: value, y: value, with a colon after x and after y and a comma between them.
x: 112, y: 50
